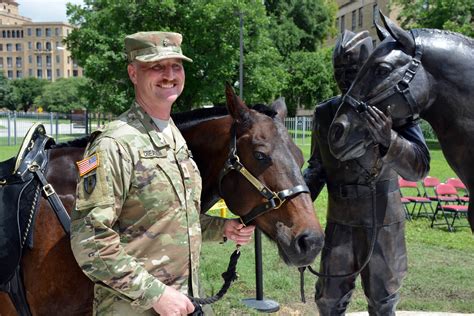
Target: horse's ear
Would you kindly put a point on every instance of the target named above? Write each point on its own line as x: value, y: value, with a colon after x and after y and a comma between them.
x: 381, y: 31
x: 279, y: 106
x: 400, y: 35
x: 237, y: 108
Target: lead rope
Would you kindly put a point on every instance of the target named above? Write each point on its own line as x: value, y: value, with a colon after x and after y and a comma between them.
x: 371, y: 176
x: 229, y: 276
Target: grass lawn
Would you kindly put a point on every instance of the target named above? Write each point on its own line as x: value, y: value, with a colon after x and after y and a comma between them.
x: 441, y: 267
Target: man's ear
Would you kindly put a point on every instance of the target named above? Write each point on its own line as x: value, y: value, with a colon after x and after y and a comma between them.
x: 132, y: 73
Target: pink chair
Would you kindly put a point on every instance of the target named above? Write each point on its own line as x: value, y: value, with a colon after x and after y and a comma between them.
x: 444, y: 190
x: 407, y: 187
x: 459, y: 185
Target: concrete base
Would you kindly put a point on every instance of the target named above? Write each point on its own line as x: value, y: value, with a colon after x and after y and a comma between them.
x: 266, y: 306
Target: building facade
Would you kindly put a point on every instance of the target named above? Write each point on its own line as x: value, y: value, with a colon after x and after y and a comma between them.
x: 33, y: 49
x: 359, y: 15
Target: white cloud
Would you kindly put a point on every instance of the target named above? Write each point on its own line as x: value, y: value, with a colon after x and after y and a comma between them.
x: 45, y: 10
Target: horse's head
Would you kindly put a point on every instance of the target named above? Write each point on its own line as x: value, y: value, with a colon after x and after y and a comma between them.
x: 394, y: 76
x: 266, y: 168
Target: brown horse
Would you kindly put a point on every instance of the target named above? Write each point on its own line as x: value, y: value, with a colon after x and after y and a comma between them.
x: 54, y: 283
x: 426, y: 73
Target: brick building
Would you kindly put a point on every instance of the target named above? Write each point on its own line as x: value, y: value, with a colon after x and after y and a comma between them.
x: 33, y: 49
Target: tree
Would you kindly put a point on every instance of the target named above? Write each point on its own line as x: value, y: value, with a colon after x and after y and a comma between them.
x: 63, y: 95
x: 452, y: 15
x: 26, y: 90
x: 312, y: 79
x: 211, y: 39
x: 6, y: 93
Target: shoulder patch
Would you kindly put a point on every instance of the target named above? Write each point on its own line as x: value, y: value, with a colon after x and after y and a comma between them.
x: 88, y: 164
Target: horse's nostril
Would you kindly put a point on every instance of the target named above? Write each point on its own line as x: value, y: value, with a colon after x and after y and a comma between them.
x: 337, y: 131
x: 307, y: 242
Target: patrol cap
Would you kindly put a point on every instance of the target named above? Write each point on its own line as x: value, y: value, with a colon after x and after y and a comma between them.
x: 154, y: 46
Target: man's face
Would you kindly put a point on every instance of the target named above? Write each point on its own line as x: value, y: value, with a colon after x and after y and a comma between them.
x: 158, y: 83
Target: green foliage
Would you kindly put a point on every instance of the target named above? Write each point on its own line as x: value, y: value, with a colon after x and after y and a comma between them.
x: 452, y: 15
x: 6, y: 93
x: 211, y: 38
x: 311, y: 79
x: 25, y: 92
x: 63, y: 95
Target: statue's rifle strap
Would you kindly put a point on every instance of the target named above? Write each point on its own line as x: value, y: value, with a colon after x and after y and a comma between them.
x: 53, y: 199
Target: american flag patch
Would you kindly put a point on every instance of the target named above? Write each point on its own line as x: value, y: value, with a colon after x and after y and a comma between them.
x: 88, y: 164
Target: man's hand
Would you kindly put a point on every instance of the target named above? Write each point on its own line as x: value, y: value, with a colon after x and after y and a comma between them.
x: 236, y: 231
x: 379, y: 125
x: 173, y: 303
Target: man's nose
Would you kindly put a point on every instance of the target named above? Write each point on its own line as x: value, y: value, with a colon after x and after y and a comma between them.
x: 168, y: 73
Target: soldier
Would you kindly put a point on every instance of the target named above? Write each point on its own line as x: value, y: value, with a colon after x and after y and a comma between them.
x: 398, y: 149
x: 136, y: 227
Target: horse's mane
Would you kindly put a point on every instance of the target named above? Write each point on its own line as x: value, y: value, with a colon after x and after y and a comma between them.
x: 80, y: 142
x: 429, y: 32
x: 182, y: 120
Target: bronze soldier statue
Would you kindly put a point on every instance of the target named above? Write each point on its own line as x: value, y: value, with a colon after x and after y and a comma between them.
x: 398, y: 149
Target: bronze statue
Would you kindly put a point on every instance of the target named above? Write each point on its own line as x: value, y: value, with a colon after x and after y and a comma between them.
x: 350, y: 211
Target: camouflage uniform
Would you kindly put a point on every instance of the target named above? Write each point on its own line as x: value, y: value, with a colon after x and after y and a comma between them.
x: 139, y: 227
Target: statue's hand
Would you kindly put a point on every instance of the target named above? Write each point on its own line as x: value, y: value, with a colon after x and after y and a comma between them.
x: 379, y: 125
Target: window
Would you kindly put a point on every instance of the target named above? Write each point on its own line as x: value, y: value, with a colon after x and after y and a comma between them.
x: 30, y: 59
x: 9, y: 47
x: 13, y: 34
x: 39, y: 61
x: 18, y: 47
x: 9, y: 62
x: 58, y: 59
x: 48, y: 32
x: 39, y: 46
x: 19, y: 62
x: 30, y: 45
x: 1, y: 47
x: 30, y: 72
x: 68, y: 60
x: 39, y: 32
x: 10, y: 74
x: 19, y: 74
x: 4, y: 34
x: 342, y: 24
x: 56, y: 31
x: 354, y: 20
x: 39, y: 73
x: 361, y: 17
x: 48, y: 74
x: 1, y: 62
x: 58, y: 73
x: 375, y: 15
x: 48, y: 46
x: 28, y: 31
x: 74, y: 73
x: 48, y: 61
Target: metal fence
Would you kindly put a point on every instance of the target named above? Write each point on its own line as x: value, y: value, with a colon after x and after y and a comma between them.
x: 64, y: 126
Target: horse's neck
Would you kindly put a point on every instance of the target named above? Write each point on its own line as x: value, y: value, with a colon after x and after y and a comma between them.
x: 209, y: 143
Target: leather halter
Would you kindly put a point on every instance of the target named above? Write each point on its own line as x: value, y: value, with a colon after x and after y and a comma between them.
x: 275, y: 199
x: 402, y: 86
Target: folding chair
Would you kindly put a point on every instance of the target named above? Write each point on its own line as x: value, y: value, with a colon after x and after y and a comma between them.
x: 407, y: 187
x: 447, y: 190
x: 459, y: 185
x: 429, y: 184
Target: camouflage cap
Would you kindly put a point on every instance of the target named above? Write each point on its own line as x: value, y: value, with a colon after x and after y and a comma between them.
x: 154, y: 46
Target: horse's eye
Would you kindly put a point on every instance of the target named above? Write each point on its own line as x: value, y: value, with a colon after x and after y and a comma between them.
x: 383, y: 70
x: 260, y: 156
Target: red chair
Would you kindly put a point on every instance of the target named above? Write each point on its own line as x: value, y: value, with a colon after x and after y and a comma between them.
x: 459, y: 185
x: 406, y: 187
x: 429, y: 184
x: 444, y: 190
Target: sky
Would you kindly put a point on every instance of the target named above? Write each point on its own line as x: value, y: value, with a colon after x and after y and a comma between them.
x: 45, y: 10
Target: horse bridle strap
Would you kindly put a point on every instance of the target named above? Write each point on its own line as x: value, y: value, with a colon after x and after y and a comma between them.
x: 402, y: 86
x: 275, y: 199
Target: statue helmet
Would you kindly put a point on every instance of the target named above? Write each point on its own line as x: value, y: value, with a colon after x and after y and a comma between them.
x: 350, y: 53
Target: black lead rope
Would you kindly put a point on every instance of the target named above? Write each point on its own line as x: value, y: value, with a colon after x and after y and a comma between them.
x: 229, y: 276
x: 372, y: 247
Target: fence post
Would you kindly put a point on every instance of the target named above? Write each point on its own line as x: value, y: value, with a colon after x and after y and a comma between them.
x: 51, y: 123
x: 14, y: 128
x: 9, y: 129
x: 57, y: 126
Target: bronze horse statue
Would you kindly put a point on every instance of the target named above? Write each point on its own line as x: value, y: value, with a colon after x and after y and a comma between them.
x: 423, y: 73
x: 54, y: 283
